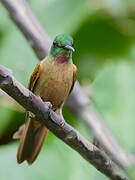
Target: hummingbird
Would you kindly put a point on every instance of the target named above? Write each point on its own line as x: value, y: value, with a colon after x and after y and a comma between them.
x: 53, y: 80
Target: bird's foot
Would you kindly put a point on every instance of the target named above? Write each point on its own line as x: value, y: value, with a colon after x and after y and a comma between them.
x: 47, y: 108
x: 48, y: 105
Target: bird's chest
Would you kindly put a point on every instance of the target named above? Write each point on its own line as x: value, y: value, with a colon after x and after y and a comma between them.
x: 55, y: 83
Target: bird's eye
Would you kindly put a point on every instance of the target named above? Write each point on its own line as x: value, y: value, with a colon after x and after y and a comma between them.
x: 72, y: 44
x: 55, y: 44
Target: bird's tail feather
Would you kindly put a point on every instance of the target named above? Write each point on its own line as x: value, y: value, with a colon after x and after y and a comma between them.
x: 31, y: 141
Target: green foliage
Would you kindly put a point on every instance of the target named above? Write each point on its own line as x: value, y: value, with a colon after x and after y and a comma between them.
x: 56, y: 161
x: 131, y: 172
x: 104, y: 39
x: 114, y: 94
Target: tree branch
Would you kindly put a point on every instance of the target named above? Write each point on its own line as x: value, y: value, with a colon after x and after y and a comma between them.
x: 81, y: 107
x: 21, y: 14
x: 78, y: 102
x: 57, y: 125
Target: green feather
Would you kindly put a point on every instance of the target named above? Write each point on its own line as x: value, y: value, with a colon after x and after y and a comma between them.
x: 60, y: 44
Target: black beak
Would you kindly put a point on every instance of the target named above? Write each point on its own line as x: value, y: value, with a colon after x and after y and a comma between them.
x: 69, y: 48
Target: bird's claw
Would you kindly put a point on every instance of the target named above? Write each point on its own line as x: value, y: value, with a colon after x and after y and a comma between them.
x: 48, y: 104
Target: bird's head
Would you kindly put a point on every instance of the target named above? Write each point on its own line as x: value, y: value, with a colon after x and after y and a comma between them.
x: 62, y: 47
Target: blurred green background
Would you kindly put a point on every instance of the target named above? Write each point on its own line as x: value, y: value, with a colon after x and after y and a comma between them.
x: 104, y: 39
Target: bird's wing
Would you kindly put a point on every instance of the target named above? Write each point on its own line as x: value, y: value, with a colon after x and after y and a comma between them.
x: 34, y: 77
x: 74, y: 77
x: 35, y: 132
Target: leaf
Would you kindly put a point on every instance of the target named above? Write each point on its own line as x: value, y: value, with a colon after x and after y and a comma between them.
x: 56, y: 161
x: 114, y: 96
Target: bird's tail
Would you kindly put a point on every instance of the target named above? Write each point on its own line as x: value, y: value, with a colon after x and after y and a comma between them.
x: 31, y: 141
